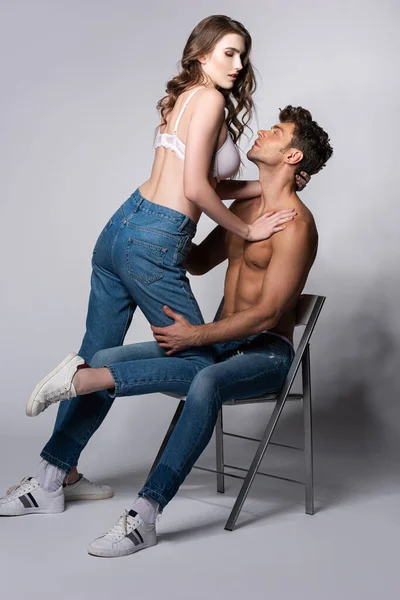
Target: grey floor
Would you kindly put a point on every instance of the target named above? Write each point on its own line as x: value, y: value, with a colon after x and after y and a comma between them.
x: 347, y: 550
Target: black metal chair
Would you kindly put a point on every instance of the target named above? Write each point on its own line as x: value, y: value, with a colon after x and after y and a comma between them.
x: 307, y: 313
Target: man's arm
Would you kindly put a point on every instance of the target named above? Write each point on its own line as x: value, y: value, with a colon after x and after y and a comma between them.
x: 207, y: 255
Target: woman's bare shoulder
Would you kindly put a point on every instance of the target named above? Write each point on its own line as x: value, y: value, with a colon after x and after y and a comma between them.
x: 210, y: 97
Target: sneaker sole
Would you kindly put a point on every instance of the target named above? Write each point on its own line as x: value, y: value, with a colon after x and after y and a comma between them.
x: 88, y: 497
x: 33, y: 511
x: 103, y: 554
x: 42, y: 382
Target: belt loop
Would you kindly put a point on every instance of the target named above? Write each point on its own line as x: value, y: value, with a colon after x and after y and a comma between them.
x: 184, y: 223
x: 137, y: 203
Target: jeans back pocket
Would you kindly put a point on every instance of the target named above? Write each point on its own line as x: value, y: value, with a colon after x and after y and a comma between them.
x: 145, y: 261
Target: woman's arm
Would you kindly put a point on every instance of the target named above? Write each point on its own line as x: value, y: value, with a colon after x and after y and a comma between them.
x: 202, y: 136
x: 237, y: 189
x: 201, y: 139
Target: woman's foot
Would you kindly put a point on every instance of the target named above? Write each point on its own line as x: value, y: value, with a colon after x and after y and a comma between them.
x: 130, y: 534
x: 56, y: 386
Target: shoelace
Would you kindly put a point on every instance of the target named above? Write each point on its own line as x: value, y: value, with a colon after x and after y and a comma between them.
x: 20, y: 488
x: 120, y: 529
x: 52, y: 396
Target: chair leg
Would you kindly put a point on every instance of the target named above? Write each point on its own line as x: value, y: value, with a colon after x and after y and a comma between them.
x: 167, y: 435
x: 219, y: 447
x: 251, y: 473
x: 308, y: 439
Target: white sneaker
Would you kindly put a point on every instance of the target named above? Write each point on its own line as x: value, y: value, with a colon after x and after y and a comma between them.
x: 56, y: 386
x: 83, y: 489
x: 28, y: 497
x: 128, y: 535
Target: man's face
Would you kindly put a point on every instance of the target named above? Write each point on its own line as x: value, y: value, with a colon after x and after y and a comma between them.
x: 272, y: 145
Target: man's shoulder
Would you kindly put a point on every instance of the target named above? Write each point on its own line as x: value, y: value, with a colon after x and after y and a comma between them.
x: 301, y: 232
x: 304, y: 224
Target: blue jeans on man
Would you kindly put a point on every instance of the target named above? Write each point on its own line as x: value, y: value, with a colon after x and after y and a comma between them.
x: 243, y: 368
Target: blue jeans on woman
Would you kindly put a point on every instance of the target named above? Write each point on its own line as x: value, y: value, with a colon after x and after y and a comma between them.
x: 137, y: 261
x: 245, y: 368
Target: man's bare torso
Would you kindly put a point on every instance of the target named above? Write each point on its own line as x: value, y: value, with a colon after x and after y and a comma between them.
x: 248, y: 264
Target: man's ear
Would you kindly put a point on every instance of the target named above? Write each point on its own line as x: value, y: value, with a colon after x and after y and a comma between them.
x: 293, y: 156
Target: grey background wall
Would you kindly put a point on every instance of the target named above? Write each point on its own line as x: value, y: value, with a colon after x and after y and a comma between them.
x: 80, y: 81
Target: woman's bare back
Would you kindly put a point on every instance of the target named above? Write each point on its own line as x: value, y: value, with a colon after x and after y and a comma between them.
x: 165, y: 186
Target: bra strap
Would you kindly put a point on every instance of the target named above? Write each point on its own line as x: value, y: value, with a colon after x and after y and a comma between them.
x: 183, y: 109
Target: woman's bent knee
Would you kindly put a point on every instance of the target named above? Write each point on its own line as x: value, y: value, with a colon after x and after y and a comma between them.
x: 102, y: 358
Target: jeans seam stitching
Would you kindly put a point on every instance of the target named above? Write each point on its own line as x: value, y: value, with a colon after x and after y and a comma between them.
x: 173, y: 236
x: 192, y: 300
x: 140, y: 383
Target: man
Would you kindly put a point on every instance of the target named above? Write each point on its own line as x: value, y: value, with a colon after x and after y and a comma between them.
x: 252, y: 340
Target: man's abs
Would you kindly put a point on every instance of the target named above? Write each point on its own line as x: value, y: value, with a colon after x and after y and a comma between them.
x: 243, y: 285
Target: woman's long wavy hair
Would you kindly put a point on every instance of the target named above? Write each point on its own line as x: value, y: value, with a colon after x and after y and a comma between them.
x: 202, y: 41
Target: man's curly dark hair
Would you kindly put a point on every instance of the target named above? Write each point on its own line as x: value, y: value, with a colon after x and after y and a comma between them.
x: 308, y: 137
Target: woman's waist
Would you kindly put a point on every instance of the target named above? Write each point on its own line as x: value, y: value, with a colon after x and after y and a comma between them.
x: 141, y: 212
x: 165, y: 188
x: 171, y: 197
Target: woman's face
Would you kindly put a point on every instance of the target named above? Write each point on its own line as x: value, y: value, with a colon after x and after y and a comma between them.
x: 224, y: 63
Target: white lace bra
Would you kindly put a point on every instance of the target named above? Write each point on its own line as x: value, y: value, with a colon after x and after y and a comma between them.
x: 226, y: 160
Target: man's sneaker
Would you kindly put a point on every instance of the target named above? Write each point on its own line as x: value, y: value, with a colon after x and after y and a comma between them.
x: 28, y: 497
x: 128, y: 535
x: 56, y: 386
x: 83, y: 489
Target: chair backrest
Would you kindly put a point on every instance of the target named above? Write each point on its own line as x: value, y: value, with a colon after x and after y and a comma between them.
x: 307, y: 313
x: 219, y: 310
x: 305, y: 307
x: 308, y: 309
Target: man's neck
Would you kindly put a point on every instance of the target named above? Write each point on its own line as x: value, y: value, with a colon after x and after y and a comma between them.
x: 277, y: 188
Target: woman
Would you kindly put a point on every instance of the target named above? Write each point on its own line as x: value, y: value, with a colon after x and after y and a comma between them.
x: 138, y: 259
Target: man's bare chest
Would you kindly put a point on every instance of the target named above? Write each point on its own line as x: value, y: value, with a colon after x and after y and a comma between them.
x: 254, y: 255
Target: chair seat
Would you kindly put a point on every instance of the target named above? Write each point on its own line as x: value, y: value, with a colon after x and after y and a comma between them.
x: 172, y: 395
x: 265, y: 398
